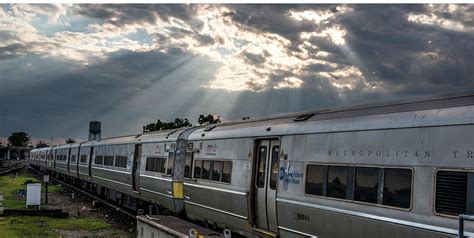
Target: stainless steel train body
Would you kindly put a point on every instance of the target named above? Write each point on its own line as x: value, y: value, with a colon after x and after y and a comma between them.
x: 402, y: 169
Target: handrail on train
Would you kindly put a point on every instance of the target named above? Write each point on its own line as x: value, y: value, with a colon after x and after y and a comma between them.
x: 461, y: 218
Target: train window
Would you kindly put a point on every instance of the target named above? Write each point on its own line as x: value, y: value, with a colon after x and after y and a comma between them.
x: 169, y: 168
x: 197, y: 168
x: 155, y: 164
x: 337, y: 181
x: 451, y: 192
x: 314, y: 180
x: 206, y: 169
x: 397, y: 188
x: 121, y: 161
x: 226, y: 171
x: 109, y: 160
x: 216, y: 171
x: 366, y: 184
x: 99, y: 159
x: 274, y: 167
x: 261, y: 166
x: 73, y: 158
x: 188, y: 164
x: 83, y: 159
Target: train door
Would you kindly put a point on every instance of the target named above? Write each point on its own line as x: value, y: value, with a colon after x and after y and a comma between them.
x: 136, y: 167
x: 68, y: 159
x: 265, y: 183
x: 91, y: 155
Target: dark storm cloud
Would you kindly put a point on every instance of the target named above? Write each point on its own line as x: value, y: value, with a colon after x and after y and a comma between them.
x: 64, y: 98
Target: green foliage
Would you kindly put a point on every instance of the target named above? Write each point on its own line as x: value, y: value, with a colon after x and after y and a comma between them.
x: 70, y: 141
x: 180, y: 123
x: 41, y: 144
x: 208, y: 120
x: 20, y: 139
x: 162, y: 125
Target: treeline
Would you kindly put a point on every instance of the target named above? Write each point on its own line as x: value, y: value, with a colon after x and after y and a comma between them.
x: 180, y: 123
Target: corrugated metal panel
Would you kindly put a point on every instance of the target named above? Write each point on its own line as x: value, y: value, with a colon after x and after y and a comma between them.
x: 451, y: 192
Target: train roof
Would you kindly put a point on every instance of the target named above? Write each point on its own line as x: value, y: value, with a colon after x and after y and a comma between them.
x: 342, y: 118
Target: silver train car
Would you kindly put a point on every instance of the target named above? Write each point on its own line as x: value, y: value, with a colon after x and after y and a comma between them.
x: 397, y: 169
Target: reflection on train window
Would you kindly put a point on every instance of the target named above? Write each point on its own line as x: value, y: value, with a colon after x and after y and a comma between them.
x: 314, y: 180
x: 261, y: 162
x: 108, y: 160
x: 73, y: 158
x: 83, y: 159
x: 274, y: 167
x: 366, y: 181
x: 99, y: 159
x: 216, y: 170
x: 451, y: 192
x: 226, y: 171
x: 206, y: 169
x: 155, y: 164
x: 169, y: 168
x: 213, y: 170
x: 121, y: 161
x: 366, y: 184
x: 188, y: 164
x: 337, y: 181
x: 397, y: 188
x: 197, y: 169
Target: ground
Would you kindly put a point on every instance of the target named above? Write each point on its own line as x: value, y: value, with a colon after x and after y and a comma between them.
x: 83, y: 221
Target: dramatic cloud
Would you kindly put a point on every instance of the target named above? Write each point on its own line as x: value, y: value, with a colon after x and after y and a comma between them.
x: 128, y: 64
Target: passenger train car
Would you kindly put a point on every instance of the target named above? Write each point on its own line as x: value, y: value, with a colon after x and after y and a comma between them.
x: 397, y: 169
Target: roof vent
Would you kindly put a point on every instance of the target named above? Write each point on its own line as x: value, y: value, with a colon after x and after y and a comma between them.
x: 304, y: 117
x: 209, y: 128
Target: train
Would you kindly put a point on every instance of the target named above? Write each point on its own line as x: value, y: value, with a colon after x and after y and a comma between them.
x: 393, y: 169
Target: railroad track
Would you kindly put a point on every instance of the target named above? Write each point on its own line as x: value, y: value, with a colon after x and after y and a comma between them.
x: 11, y: 169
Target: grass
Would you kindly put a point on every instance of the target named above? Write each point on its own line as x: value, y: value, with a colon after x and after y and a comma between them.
x: 46, y: 226
x: 10, y: 186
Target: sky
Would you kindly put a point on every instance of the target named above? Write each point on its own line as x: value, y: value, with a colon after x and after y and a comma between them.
x: 126, y: 65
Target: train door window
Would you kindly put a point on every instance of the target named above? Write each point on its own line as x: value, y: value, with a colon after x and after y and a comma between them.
x: 274, y: 167
x: 108, y: 160
x: 451, y: 192
x: 397, y: 188
x: 169, y: 168
x: 314, y: 180
x: 337, y: 181
x: 226, y: 171
x: 121, y: 161
x: 83, y: 159
x: 366, y: 184
x: 99, y: 159
x: 197, y: 169
x: 261, y: 165
x: 216, y: 171
x: 188, y: 164
x: 206, y: 169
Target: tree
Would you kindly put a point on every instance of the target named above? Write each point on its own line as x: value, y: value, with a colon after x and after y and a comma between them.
x: 19, y: 139
x: 162, y: 125
x: 208, y: 120
x: 41, y: 144
x: 70, y: 141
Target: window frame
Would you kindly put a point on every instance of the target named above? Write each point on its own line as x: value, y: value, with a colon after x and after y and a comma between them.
x: 353, y: 166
